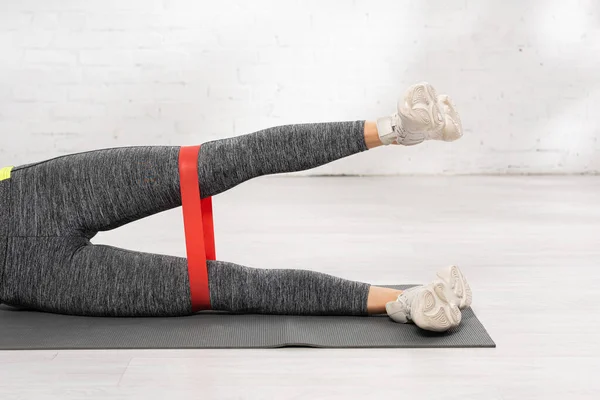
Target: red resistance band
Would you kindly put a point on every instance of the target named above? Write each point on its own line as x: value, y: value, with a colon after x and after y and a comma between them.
x: 199, y: 227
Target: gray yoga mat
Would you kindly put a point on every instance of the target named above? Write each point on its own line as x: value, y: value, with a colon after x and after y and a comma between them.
x: 32, y: 330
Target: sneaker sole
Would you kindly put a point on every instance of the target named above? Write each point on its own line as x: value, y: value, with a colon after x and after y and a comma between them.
x: 432, y: 311
x: 458, y: 283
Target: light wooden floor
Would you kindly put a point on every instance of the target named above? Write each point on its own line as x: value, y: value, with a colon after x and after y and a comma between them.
x: 530, y: 247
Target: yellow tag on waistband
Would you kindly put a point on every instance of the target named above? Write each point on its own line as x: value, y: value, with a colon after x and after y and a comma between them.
x: 5, y: 173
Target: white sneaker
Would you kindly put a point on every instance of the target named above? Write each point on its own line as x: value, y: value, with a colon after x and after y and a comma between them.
x: 422, y: 115
x: 456, y: 281
x: 427, y: 306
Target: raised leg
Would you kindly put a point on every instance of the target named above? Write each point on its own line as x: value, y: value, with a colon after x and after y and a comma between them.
x: 83, y: 193
x: 226, y: 163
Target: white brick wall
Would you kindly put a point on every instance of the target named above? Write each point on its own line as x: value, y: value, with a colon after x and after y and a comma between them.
x: 79, y: 75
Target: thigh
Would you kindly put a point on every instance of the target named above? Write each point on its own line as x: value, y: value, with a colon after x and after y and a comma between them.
x: 82, y: 193
x: 73, y: 276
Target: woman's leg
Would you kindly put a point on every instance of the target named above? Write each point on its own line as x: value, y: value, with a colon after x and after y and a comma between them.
x: 100, y: 190
x: 226, y: 163
x: 286, y: 291
x: 71, y: 276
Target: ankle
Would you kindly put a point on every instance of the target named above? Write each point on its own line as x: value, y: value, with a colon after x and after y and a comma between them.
x: 372, y: 139
x: 379, y: 297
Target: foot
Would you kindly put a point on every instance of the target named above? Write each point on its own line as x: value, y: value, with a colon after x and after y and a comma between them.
x: 422, y: 115
x: 427, y: 306
x: 456, y: 281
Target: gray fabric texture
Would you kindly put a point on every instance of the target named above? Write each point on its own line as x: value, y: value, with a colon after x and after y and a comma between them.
x: 20, y: 330
x: 51, y: 209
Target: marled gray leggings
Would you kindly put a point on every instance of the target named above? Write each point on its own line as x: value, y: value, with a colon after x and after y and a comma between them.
x: 50, y: 210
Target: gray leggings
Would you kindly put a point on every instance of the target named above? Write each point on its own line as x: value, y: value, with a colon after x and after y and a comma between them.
x: 50, y: 210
